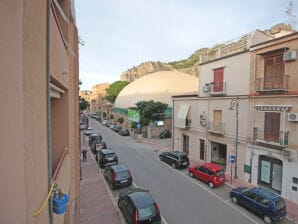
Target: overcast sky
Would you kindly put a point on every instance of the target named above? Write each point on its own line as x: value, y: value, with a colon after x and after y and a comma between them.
x: 119, y: 34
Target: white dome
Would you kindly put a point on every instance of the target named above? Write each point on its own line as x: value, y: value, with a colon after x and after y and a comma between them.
x: 158, y: 86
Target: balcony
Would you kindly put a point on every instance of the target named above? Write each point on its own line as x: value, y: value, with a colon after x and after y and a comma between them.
x: 274, y: 139
x: 272, y: 83
x: 216, y: 128
x: 215, y: 89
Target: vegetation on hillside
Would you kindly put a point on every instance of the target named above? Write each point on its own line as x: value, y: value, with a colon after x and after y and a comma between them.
x: 114, y: 89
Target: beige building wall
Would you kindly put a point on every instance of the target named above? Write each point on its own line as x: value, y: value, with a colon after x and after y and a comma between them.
x: 24, y: 155
x: 278, y: 93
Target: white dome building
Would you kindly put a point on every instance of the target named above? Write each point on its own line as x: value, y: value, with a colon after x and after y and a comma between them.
x: 158, y: 86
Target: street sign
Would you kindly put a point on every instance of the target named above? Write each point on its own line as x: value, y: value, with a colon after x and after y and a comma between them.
x: 232, y: 158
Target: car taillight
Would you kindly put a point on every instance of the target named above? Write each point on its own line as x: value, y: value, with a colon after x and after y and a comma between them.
x: 115, y: 178
x: 157, y: 208
x: 136, y: 216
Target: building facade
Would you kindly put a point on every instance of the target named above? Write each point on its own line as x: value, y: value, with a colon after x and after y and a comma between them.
x: 39, y: 110
x: 274, y: 125
x: 97, y: 98
x: 245, y: 114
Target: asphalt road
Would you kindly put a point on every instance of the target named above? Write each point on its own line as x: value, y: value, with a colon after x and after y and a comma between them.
x: 181, y: 198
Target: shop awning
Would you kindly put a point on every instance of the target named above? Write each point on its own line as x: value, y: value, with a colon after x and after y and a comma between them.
x: 272, y: 108
x: 56, y: 92
x: 181, y: 116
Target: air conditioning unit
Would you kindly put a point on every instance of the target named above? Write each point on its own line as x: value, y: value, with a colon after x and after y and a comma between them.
x: 292, y: 116
x: 203, y: 120
x: 290, y: 154
x: 206, y: 88
x: 290, y: 55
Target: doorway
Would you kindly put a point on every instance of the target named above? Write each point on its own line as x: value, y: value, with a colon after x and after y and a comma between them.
x: 270, y: 173
x: 186, y: 144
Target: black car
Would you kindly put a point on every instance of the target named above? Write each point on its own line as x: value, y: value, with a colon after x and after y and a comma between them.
x: 118, y: 176
x: 138, y: 207
x: 175, y: 158
x: 123, y: 132
x: 165, y: 134
x: 116, y: 128
x: 94, y: 137
x: 106, y: 157
x: 98, y: 145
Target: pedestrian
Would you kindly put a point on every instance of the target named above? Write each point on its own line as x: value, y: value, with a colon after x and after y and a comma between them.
x: 84, y: 152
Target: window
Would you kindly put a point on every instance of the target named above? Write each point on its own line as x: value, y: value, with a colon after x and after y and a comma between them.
x: 274, y: 71
x: 218, y: 80
x: 251, y: 195
x: 271, y: 129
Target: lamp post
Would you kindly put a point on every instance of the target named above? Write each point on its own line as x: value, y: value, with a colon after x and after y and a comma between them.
x: 235, y: 106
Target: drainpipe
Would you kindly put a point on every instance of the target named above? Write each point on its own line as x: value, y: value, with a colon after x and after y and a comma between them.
x: 48, y: 80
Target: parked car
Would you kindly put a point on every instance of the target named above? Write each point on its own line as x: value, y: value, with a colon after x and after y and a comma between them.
x: 118, y: 176
x: 106, y: 157
x: 104, y: 122
x: 175, y: 158
x: 88, y: 132
x: 138, y: 207
x: 210, y: 173
x: 123, y: 132
x: 94, y: 137
x: 165, y: 134
x: 101, y: 145
x: 116, y: 128
x: 265, y: 203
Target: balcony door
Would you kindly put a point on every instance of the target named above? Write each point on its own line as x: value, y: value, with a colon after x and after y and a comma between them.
x: 274, y: 72
x: 218, y: 80
x: 272, y: 126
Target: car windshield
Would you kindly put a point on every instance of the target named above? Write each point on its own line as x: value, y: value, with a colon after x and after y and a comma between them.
x: 146, y: 212
x: 110, y: 156
x: 184, y: 158
x: 123, y: 175
x: 280, y: 204
x: 219, y: 173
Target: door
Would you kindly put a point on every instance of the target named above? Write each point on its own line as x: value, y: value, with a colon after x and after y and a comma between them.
x: 218, y: 80
x: 202, y: 149
x: 276, y: 177
x: 186, y: 144
x: 272, y: 128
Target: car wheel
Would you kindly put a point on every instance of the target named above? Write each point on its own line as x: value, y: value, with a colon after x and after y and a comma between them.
x: 174, y: 165
x: 112, y: 186
x: 211, y: 185
x: 267, y: 219
x: 234, y: 200
x: 190, y: 174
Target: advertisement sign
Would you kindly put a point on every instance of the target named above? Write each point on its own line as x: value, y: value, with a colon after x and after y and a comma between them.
x: 133, y: 115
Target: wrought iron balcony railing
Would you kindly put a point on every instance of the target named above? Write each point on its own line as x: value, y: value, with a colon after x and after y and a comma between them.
x: 269, y: 137
x: 272, y: 83
x: 216, y: 128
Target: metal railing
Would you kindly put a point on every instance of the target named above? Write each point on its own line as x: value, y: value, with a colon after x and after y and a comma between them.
x: 217, y: 128
x: 272, y: 138
x: 217, y: 88
x: 272, y: 83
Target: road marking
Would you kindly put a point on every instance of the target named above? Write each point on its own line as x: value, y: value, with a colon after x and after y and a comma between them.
x: 215, y: 195
x: 162, y: 218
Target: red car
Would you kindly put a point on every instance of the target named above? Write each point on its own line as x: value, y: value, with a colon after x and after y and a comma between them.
x: 210, y: 173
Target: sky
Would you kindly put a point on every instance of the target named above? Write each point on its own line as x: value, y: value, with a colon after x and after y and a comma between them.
x: 120, y: 34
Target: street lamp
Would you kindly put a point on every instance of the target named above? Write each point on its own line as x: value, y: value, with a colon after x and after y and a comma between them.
x: 235, y: 106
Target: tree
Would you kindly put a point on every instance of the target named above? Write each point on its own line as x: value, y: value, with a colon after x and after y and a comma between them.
x: 114, y: 89
x: 150, y: 111
x: 104, y: 114
x: 111, y: 116
x: 83, y: 104
x: 120, y: 120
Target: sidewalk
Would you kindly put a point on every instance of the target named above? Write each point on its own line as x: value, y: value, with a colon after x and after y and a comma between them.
x: 96, y: 202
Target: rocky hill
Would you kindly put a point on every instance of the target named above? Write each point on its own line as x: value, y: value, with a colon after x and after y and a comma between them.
x: 191, y: 65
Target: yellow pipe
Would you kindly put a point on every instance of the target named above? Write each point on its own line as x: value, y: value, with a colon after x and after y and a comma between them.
x: 45, y: 202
